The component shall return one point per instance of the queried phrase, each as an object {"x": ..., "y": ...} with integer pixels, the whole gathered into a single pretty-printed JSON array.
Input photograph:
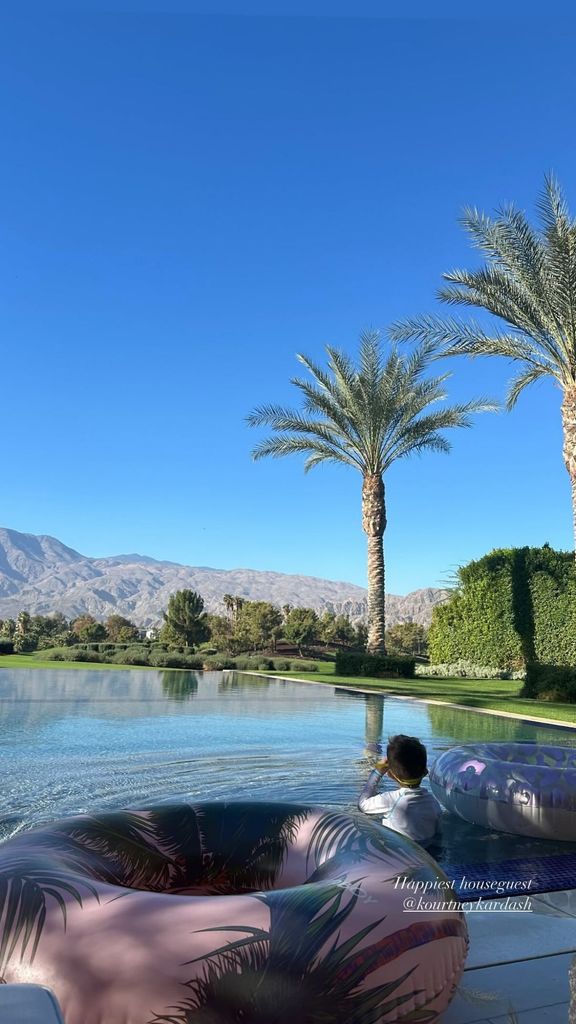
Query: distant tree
[
  {"x": 49, "y": 625},
  {"x": 327, "y": 627},
  {"x": 169, "y": 636},
  {"x": 220, "y": 628},
  {"x": 23, "y": 622},
  {"x": 186, "y": 617},
  {"x": 361, "y": 636},
  {"x": 88, "y": 629},
  {"x": 24, "y": 637},
  {"x": 301, "y": 627},
  {"x": 407, "y": 638},
  {"x": 344, "y": 630},
  {"x": 120, "y": 630},
  {"x": 8, "y": 628},
  {"x": 228, "y": 602},
  {"x": 336, "y": 629},
  {"x": 257, "y": 625}
]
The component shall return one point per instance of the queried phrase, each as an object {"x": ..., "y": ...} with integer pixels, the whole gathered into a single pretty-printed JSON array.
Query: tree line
[
  {"x": 244, "y": 626},
  {"x": 261, "y": 625}
]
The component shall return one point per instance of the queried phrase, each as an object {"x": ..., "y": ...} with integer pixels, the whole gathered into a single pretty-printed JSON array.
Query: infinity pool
[{"x": 75, "y": 740}]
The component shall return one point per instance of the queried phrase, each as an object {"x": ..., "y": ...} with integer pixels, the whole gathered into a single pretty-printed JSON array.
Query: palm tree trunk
[
  {"x": 374, "y": 524},
  {"x": 569, "y": 447}
]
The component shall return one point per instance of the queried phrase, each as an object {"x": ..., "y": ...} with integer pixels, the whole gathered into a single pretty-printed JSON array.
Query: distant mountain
[{"x": 41, "y": 575}]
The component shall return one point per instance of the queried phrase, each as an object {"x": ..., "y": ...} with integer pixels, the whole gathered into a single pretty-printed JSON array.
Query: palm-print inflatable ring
[{"x": 227, "y": 913}]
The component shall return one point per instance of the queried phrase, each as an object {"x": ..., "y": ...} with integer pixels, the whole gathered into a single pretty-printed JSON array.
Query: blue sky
[{"x": 189, "y": 200}]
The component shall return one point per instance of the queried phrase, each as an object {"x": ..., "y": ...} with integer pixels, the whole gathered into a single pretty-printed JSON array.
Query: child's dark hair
[{"x": 406, "y": 757}]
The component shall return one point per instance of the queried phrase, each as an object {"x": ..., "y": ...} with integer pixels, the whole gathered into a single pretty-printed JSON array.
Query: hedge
[
  {"x": 512, "y": 608},
  {"x": 6, "y": 646},
  {"x": 550, "y": 682},
  {"x": 137, "y": 654},
  {"x": 373, "y": 665}
]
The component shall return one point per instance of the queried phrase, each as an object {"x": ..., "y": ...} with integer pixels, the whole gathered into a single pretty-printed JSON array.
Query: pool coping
[{"x": 418, "y": 700}]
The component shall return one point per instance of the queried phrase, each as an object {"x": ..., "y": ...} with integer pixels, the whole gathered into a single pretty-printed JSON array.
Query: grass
[
  {"x": 33, "y": 661},
  {"x": 488, "y": 694}
]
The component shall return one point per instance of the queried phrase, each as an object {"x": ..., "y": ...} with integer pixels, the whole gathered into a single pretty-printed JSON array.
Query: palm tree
[
  {"x": 528, "y": 282},
  {"x": 366, "y": 417}
]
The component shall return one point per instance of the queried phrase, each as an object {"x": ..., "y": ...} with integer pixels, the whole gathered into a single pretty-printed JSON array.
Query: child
[{"x": 411, "y": 810}]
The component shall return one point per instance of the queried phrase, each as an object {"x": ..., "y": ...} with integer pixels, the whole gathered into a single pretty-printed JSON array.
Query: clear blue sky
[{"x": 189, "y": 200}]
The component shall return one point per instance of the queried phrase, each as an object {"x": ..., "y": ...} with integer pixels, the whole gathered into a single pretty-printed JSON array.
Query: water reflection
[
  {"x": 477, "y": 728},
  {"x": 177, "y": 685},
  {"x": 374, "y": 723},
  {"x": 239, "y": 681}
]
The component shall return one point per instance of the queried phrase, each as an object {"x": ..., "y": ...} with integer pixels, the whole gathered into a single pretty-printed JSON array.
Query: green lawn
[
  {"x": 33, "y": 661},
  {"x": 490, "y": 694}
]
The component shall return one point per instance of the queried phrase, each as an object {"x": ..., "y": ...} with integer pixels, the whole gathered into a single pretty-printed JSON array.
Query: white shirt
[{"x": 413, "y": 811}]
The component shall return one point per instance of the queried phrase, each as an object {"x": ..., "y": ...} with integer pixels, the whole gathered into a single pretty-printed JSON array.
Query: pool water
[{"x": 77, "y": 740}]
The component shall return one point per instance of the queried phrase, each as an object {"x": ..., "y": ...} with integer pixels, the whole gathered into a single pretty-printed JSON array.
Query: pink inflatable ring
[{"x": 253, "y": 913}]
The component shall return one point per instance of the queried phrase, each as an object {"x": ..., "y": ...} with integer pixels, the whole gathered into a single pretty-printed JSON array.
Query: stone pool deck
[{"x": 519, "y": 965}]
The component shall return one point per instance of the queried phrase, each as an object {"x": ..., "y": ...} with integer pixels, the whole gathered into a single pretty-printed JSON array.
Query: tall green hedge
[{"x": 513, "y": 607}]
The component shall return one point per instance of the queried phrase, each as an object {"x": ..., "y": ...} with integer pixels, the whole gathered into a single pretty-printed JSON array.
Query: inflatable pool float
[
  {"x": 526, "y": 788},
  {"x": 229, "y": 912}
]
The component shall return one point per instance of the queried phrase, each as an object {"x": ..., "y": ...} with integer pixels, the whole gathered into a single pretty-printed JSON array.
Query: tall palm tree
[
  {"x": 529, "y": 282},
  {"x": 366, "y": 417}
]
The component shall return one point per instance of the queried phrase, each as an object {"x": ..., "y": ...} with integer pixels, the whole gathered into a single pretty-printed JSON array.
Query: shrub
[
  {"x": 218, "y": 662},
  {"x": 135, "y": 656},
  {"x": 373, "y": 665},
  {"x": 6, "y": 646},
  {"x": 245, "y": 664},
  {"x": 550, "y": 683},
  {"x": 73, "y": 654},
  {"x": 466, "y": 670},
  {"x": 55, "y": 653},
  {"x": 116, "y": 659},
  {"x": 304, "y": 666},
  {"x": 171, "y": 659}
]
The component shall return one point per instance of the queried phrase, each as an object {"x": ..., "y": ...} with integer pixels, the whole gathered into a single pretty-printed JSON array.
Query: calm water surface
[{"x": 77, "y": 740}]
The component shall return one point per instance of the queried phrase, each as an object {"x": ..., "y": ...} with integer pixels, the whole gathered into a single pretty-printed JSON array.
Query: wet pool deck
[{"x": 518, "y": 963}]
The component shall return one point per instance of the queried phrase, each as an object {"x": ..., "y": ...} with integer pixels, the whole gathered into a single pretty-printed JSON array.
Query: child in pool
[{"x": 411, "y": 810}]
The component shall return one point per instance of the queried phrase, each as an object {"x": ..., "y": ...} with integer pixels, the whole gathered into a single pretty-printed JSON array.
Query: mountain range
[{"x": 41, "y": 575}]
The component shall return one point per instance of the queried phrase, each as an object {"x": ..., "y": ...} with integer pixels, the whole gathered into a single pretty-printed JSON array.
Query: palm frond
[
  {"x": 528, "y": 282},
  {"x": 23, "y": 891},
  {"x": 299, "y": 969},
  {"x": 278, "y": 447},
  {"x": 521, "y": 381},
  {"x": 364, "y": 416}
]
